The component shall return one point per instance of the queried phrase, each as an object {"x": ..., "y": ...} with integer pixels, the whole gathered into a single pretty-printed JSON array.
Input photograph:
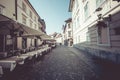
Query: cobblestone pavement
[{"x": 65, "y": 63}]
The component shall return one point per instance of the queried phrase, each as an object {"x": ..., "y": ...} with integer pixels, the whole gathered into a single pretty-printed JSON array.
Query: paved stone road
[{"x": 65, "y": 63}]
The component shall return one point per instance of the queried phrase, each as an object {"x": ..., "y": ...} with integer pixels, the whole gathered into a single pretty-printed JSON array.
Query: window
[
  {"x": 8, "y": 40},
  {"x": 35, "y": 26},
  {"x": 77, "y": 22},
  {"x": 24, "y": 43},
  {"x": 30, "y": 14},
  {"x": 69, "y": 33},
  {"x": 76, "y": 5},
  {"x": 24, "y": 19},
  {"x": 35, "y": 18},
  {"x": 88, "y": 36},
  {"x": 117, "y": 30},
  {"x": 86, "y": 13},
  {"x": 9, "y": 43},
  {"x": 69, "y": 26},
  {"x": 79, "y": 38},
  {"x": 76, "y": 39},
  {"x": 103, "y": 35},
  {"x": 99, "y": 2},
  {"x": 24, "y": 7},
  {"x": 31, "y": 23}
]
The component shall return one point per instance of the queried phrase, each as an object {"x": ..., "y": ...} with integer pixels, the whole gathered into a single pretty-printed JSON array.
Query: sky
[{"x": 54, "y": 12}]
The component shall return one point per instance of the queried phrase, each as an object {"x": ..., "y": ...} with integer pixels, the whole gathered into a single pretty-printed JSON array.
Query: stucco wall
[
  {"x": 28, "y": 18},
  {"x": 9, "y": 8}
]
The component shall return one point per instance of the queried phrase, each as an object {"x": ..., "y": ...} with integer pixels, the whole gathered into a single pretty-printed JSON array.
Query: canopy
[
  {"x": 46, "y": 37},
  {"x": 30, "y": 32},
  {"x": 18, "y": 27}
]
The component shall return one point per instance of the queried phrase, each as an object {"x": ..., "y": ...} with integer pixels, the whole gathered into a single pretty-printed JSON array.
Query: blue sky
[{"x": 54, "y": 12}]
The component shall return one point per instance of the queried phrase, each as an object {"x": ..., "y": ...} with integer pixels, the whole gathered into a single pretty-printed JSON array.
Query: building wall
[
  {"x": 30, "y": 20},
  {"x": 83, "y": 25},
  {"x": 115, "y": 31},
  {"x": 68, "y": 32},
  {"x": 86, "y": 32},
  {"x": 58, "y": 40},
  {"x": 8, "y": 8},
  {"x": 15, "y": 11}
]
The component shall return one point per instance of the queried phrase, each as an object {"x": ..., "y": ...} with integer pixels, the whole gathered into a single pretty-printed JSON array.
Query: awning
[
  {"x": 8, "y": 26},
  {"x": 45, "y": 37},
  {"x": 18, "y": 27},
  {"x": 29, "y": 31},
  {"x": 6, "y": 22},
  {"x": 4, "y": 18}
]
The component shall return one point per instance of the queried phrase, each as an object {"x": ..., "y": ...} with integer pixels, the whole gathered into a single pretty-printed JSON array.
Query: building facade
[
  {"x": 68, "y": 33},
  {"x": 58, "y": 39},
  {"x": 96, "y": 27},
  {"x": 8, "y": 10},
  {"x": 20, "y": 26}
]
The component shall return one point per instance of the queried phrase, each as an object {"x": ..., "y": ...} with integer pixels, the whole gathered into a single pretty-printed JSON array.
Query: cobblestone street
[{"x": 65, "y": 63}]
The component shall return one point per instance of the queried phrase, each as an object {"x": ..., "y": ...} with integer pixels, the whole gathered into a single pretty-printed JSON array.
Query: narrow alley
[
  {"x": 65, "y": 63},
  {"x": 59, "y": 39}
]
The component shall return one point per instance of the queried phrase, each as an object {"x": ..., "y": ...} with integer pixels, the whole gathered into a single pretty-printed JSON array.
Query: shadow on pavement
[{"x": 109, "y": 70}]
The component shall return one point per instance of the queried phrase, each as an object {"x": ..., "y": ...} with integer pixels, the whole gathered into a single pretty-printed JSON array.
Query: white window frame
[
  {"x": 77, "y": 21},
  {"x": 31, "y": 23},
  {"x": 24, "y": 7},
  {"x": 69, "y": 26},
  {"x": 86, "y": 11},
  {"x": 24, "y": 19},
  {"x": 88, "y": 37},
  {"x": 101, "y": 2},
  {"x": 30, "y": 14},
  {"x": 108, "y": 34},
  {"x": 69, "y": 33}
]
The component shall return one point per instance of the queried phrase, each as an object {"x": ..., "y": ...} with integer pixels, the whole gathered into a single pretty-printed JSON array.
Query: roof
[
  {"x": 71, "y": 5},
  {"x": 68, "y": 20}
]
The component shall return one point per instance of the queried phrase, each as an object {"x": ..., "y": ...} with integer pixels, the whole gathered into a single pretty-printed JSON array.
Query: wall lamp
[
  {"x": 102, "y": 21},
  {"x": 100, "y": 16}
]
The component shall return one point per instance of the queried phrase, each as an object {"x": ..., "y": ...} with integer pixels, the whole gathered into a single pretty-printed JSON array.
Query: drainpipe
[
  {"x": 4, "y": 43},
  {"x": 16, "y": 9},
  {"x": 13, "y": 41}
]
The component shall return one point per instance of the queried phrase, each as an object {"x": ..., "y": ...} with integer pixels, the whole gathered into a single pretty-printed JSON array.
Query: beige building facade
[
  {"x": 96, "y": 27},
  {"x": 7, "y": 9},
  {"x": 68, "y": 33},
  {"x": 27, "y": 14},
  {"x": 20, "y": 26}
]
